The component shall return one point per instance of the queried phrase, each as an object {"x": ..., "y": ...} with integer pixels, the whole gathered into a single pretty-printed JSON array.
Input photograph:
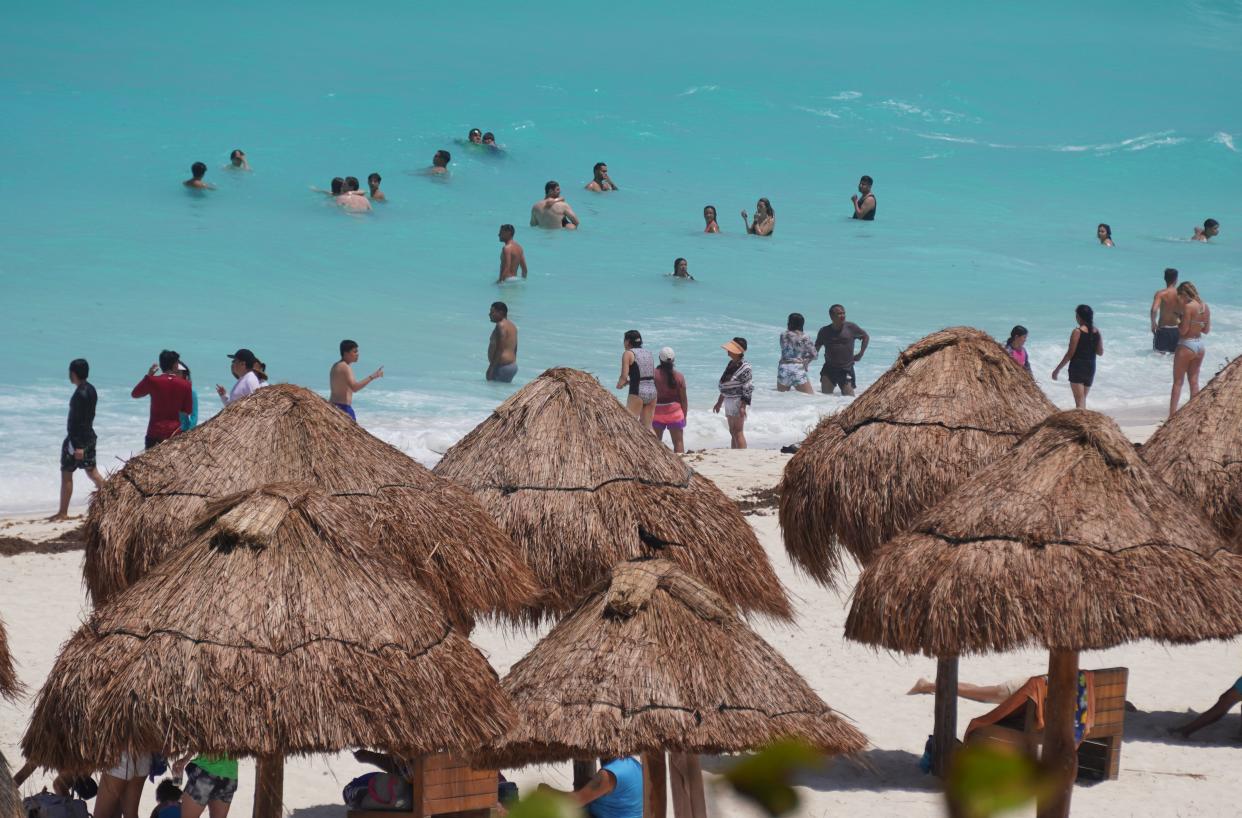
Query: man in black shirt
[
  {"x": 837, "y": 340},
  {"x": 78, "y": 450}
]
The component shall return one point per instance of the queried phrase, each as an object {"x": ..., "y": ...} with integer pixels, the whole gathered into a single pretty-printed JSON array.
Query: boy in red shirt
[{"x": 170, "y": 396}]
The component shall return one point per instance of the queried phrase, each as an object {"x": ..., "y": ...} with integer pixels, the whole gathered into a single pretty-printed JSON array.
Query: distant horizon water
[{"x": 998, "y": 139}]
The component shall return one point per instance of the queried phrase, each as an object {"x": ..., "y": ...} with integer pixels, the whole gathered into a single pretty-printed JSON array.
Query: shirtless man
[
  {"x": 864, "y": 201},
  {"x": 341, "y": 379},
  {"x": 373, "y": 182},
  {"x": 1210, "y": 228},
  {"x": 237, "y": 160},
  {"x": 552, "y": 212},
  {"x": 601, "y": 183},
  {"x": 440, "y": 163},
  {"x": 198, "y": 171},
  {"x": 349, "y": 199},
  {"x": 512, "y": 257},
  {"x": 1166, "y": 314},
  {"x": 502, "y": 348}
]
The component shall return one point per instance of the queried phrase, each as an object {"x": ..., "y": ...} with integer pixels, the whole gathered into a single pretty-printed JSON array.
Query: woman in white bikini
[{"x": 1196, "y": 322}]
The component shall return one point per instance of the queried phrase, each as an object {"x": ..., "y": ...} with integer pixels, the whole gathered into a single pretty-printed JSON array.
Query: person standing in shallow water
[
  {"x": 864, "y": 201},
  {"x": 736, "y": 389},
  {"x": 1196, "y": 322},
  {"x": 1166, "y": 312},
  {"x": 197, "y": 171},
  {"x": 638, "y": 373},
  {"x": 672, "y": 405},
  {"x": 837, "y": 340},
  {"x": 601, "y": 183},
  {"x": 709, "y": 216},
  {"x": 341, "y": 379},
  {"x": 78, "y": 450},
  {"x": 765, "y": 219},
  {"x": 1086, "y": 343},
  {"x": 797, "y": 352},
  {"x": 238, "y": 160},
  {"x": 502, "y": 347},
  {"x": 512, "y": 256},
  {"x": 681, "y": 269}
]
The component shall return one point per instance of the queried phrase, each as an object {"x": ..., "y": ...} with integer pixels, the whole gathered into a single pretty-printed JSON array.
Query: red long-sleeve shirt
[{"x": 170, "y": 395}]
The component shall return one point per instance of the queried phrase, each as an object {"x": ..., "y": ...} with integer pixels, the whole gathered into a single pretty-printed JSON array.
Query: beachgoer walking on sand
[
  {"x": 837, "y": 340},
  {"x": 341, "y": 379},
  {"x": 247, "y": 381},
  {"x": 602, "y": 183},
  {"x": 864, "y": 201},
  {"x": 672, "y": 405},
  {"x": 78, "y": 450},
  {"x": 1105, "y": 234},
  {"x": 736, "y": 389},
  {"x": 170, "y": 396},
  {"x": 552, "y": 212},
  {"x": 238, "y": 160},
  {"x": 188, "y": 421},
  {"x": 797, "y": 352},
  {"x": 681, "y": 269},
  {"x": 1196, "y": 322},
  {"x": 1166, "y": 314},
  {"x": 1223, "y": 705},
  {"x": 1016, "y": 347},
  {"x": 512, "y": 256},
  {"x": 1210, "y": 228},
  {"x": 210, "y": 783},
  {"x": 502, "y": 347},
  {"x": 709, "y": 216},
  {"x": 1086, "y": 343},
  {"x": 616, "y": 791},
  {"x": 765, "y": 219},
  {"x": 197, "y": 171},
  {"x": 638, "y": 373},
  {"x": 373, "y": 183}
]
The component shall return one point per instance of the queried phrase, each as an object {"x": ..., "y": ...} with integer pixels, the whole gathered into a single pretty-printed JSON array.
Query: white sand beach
[{"x": 42, "y": 601}]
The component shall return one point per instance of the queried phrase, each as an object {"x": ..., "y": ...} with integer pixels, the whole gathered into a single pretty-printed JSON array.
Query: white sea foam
[
  {"x": 828, "y": 112},
  {"x": 846, "y": 95},
  {"x": 697, "y": 88},
  {"x": 1226, "y": 139}
]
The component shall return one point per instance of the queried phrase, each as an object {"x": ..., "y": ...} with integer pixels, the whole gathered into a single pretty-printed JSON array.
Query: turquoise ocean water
[{"x": 998, "y": 136}]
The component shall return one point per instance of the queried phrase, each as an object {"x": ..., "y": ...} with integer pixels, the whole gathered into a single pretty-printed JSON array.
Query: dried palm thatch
[
  {"x": 1199, "y": 451},
  {"x": 580, "y": 486},
  {"x": 287, "y": 433},
  {"x": 953, "y": 402},
  {"x": 10, "y": 798},
  {"x": 9, "y": 685},
  {"x": 267, "y": 633},
  {"x": 1068, "y": 541},
  {"x": 653, "y": 660}
]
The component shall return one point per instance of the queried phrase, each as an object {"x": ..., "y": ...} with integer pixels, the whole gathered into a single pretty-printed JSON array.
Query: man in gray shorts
[
  {"x": 502, "y": 348},
  {"x": 1166, "y": 314}
]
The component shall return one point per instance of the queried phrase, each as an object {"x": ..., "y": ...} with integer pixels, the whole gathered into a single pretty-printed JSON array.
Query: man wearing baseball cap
[{"x": 243, "y": 370}]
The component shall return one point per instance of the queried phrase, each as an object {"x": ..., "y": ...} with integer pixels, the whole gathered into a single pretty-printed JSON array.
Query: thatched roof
[
  {"x": 1069, "y": 541},
  {"x": 10, "y": 798},
  {"x": 952, "y": 403},
  {"x": 267, "y": 632},
  {"x": 1199, "y": 451},
  {"x": 581, "y": 486},
  {"x": 654, "y": 660},
  {"x": 9, "y": 685},
  {"x": 287, "y": 433}
]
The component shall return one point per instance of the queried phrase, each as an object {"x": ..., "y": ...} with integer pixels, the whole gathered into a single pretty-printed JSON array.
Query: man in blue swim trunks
[
  {"x": 616, "y": 791},
  {"x": 1227, "y": 701},
  {"x": 342, "y": 381}
]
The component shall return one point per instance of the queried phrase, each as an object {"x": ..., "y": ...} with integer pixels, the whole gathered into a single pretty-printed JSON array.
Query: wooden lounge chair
[
  {"x": 444, "y": 785},
  {"x": 1019, "y": 721}
]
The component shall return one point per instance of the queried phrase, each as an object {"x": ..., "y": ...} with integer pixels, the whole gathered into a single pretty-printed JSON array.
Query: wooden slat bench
[{"x": 444, "y": 785}]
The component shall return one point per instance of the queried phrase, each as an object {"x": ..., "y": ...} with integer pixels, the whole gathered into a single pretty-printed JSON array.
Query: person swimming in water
[
  {"x": 765, "y": 219},
  {"x": 373, "y": 182},
  {"x": 475, "y": 137},
  {"x": 348, "y": 199},
  {"x": 512, "y": 257},
  {"x": 1105, "y": 234},
  {"x": 439, "y": 163},
  {"x": 489, "y": 141},
  {"x": 681, "y": 269},
  {"x": 709, "y": 217},
  {"x": 1210, "y": 228},
  {"x": 197, "y": 171},
  {"x": 1196, "y": 322},
  {"x": 601, "y": 183},
  {"x": 552, "y": 212},
  {"x": 864, "y": 201},
  {"x": 237, "y": 160}
]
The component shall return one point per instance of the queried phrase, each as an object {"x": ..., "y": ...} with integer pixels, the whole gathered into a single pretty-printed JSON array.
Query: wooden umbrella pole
[
  {"x": 685, "y": 782},
  {"x": 655, "y": 784},
  {"x": 269, "y": 786},
  {"x": 944, "y": 732},
  {"x": 1060, "y": 756}
]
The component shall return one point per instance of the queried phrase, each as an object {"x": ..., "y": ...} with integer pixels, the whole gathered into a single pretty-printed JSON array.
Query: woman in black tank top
[{"x": 1085, "y": 345}]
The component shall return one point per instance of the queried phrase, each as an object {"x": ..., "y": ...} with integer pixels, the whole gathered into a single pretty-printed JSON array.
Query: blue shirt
[
  {"x": 626, "y": 798},
  {"x": 189, "y": 421}
]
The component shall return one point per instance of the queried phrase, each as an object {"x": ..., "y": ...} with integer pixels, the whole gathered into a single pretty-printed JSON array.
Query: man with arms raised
[
  {"x": 512, "y": 257},
  {"x": 1166, "y": 314},
  {"x": 552, "y": 212},
  {"x": 170, "y": 395},
  {"x": 837, "y": 340},
  {"x": 601, "y": 183},
  {"x": 502, "y": 348},
  {"x": 341, "y": 379}
]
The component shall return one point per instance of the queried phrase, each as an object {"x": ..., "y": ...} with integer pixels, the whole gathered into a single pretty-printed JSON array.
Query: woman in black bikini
[{"x": 1085, "y": 345}]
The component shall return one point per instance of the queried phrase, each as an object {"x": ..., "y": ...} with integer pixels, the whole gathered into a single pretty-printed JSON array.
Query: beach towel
[{"x": 1036, "y": 691}]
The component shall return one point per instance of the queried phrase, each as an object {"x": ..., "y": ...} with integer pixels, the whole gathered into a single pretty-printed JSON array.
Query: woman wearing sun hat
[{"x": 736, "y": 389}]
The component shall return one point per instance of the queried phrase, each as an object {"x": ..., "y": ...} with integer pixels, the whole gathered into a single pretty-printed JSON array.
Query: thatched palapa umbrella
[
  {"x": 1069, "y": 542},
  {"x": 9, "y": 685},
  {"x": 10, "y": 798},
  {"x": 581, "y": 486},
  {"x": 287, "y": 433},
  {"x": 1198, "y": 451},
  {"x": 268, "y": 633},
  {"x": 952, "y": 403},
  {"x": 654, "y": 661}
]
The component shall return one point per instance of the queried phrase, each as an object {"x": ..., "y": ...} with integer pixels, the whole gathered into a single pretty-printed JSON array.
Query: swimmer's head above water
[
  {"x": 475, "y": 136},
  {"x": 506, "y": 232},
  {"x": 552, "y": 189},
  {"x": 337, "y": 186},
  {"x": 681, "y": 268},
  {"x": 238, "y": 157},
  {"x": 351, "y": 183},
  {"x": 864, "y": 185},
  {"x": 489, "y": 138},
  {"x": 441, "y": 159},
  {"x": 1104, "y": 233},
  {"x": 198, "y": 170}
]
